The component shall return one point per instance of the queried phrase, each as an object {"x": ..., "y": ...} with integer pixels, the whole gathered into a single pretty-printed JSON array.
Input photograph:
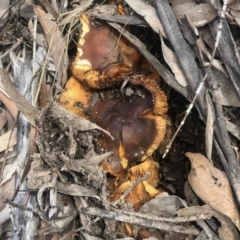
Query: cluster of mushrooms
[{"x": 113, "y": 86}]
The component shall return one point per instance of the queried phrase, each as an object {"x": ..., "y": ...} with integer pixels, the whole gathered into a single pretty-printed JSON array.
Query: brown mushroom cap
[
  {"x": 122, "y": 117},
  {"x": 137, "y": 123},
  {"x": 104, "y": 56}
]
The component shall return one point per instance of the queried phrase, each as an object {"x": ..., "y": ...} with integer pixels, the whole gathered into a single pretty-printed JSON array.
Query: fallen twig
[
  {"x": 141, "y": 221},
  {"x": 195, "y": 217}
]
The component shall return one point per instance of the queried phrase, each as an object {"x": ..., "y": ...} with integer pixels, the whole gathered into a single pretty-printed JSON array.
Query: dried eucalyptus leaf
[
  {"x": 8, "y": 140},
  {"x": 162, "y": 205},
  {"x": 233, "y": 129},
  {"x": 200, "y": 14},
  {"x": 4, "y": 11},
  {"x": 212, "y": 186},
  {"x": 236, "y": 16},
  {"x": 75, "y": 190},
  {"x": 172, "y": 60},
  {"x": 228, "y": 94},
  {"x": 149, "y": 14},
  {"x": 235, "y": 6}
]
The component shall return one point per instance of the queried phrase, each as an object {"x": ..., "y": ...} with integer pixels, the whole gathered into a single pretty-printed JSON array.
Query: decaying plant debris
[{"x": 91, "y": 93}]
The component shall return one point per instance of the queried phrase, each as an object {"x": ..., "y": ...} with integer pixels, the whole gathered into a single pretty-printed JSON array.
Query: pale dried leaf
[
  {"x": 62, "y": 221},
  {"x": 172, "y": 60},
  {"x": 233, "y": 129},
  {"x": 4, "y": 6},
  {"x": 200, "y": 14},
  {"x": 8, "y": 172},
  {"x": 229, "y": 2},
  {"x": 227, "y": 92},
  {"x": 236, "y": 15},
  {"x": 56, "y": 43},
  {"x": 9, "y": 104},
  {"x": 209, "y": 129},
  {"x": 235, "y": 6},
  {"x": 4, "y": 215},
  {"x": 149, "y": 13},
  {"x": 7, "y": 190},
  {"x": 8, "y": 140},
  {"x": 191, "y": 25},
  {"x": 212, "y": 186},
  {"x": 75, "y": 190},
  {"x": 162, "y": 205},
  {"x": 6, "y": 85}
]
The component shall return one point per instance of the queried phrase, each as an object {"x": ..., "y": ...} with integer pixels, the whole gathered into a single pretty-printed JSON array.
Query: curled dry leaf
[
  {"x": 200, "y": 14},
  {"x": 212, "y": 186}
]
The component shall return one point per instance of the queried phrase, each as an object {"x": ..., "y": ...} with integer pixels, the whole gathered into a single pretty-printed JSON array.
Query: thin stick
[
  {"x": 117, "y": 216},
  {"x": 34, "y": 84}
]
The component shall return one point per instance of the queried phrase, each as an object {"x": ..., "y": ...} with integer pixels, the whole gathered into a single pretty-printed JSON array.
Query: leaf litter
[{"x": 50, "y": 176}]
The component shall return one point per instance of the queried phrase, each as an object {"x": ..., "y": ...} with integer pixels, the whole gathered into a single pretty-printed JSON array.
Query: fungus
[
  {"x": 136, "y": 119},
  {"x": 137, "y": 123},
  {"x": 103, "y": 57}
]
